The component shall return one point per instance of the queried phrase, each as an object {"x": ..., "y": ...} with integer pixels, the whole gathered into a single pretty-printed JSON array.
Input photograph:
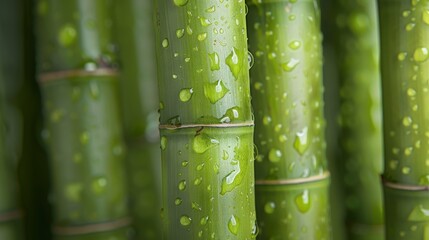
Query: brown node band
[
  {"x": 91, "y": 228},
  {"x": 405, "y": 187},
  {"x": 215, "y": 125},
  {"x": 10, "y": 216},
  {"x": 324, "y": 176},
  {"x": 60, "y": 75}
]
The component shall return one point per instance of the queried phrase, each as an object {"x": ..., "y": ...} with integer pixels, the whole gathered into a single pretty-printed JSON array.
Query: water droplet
[
  {"x": 211, "y": 9},
  {"x": 84, "y": 138},
  {"x": 189, "y": 30},
  {"x": 269, "y": 207},
  {"x": 165, "y": 43},
  {"x": 282, "y": 138},
  {"x": 421, "y": 54},
  {"x": 185, "y": 163},
  {"x": 178, "y": 201},
  {"x": 205, "y": 22},
  {"x": 230, "y": 115},
  {"x": 301, "y": 141},
  {"x": 419, "y": 214},
  {"x": 163, "y": 143},
  {"x": 411, "y": 92},
  {"x": 225, "y": 155},
  {"x": 185, "y": 220},
  {"x": 99, "y": 185},
  {"x": 204, "y": 220},
  {"x": 303, "y": 202},
  {"x": 234, "y": 62},
  {"x": 182, "y": 185},
  {"x": 215, "y": 91},
  {"x": 294, "y": 45},
  {"x": 180, "y": 3},
  {"x": 196, "y": 206},
  {"x": 425, "y": 16},
  {"x": 402, "y": 56},
  {"x": 406, "y": 13},
  {"x": 56, "y": 116},
  {"x": 233, "y": 225},
  {"x": 214, "y": 61},
  {"x": 424, "y": 180},
  {"x": 198, "y": 181},
  {"x": 266, "y": 120},
  {"x": 406, "y": 170},
  {"x": 201, "y": 37},
  {"x": 203, "y": 142},
  {"x": 67, "y": 35},
  {"x": 186, "y": 94},
  {"x": 410, "y": 26},
  {"x": 250, "y": 59},
  {"x": 406, "y": 121},
  {"x": 235, "y": 177},
  {"x": 274, "y": 155},
  {"x": 289, "y": 66},
  {"x": 180, "y": 33}
]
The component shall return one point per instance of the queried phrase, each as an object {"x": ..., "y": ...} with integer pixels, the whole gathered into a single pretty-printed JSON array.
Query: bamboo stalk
[
  {"x": 404, "y": 28},
  {"x": 206, "y": 123},
  {"x": 76, "y": 61},
  {"x": 135, "y": 35},
  {"x": 291, "y": 174},
  {"x": 360, "y": 139}
]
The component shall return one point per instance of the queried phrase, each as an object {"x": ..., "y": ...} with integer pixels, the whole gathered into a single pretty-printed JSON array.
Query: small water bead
[
  {"x": 292, "y": 17},
  {"x": 215, "y": 91},
  {"x": 402, "y": 56},
  {"x": 201, "y": 37},
  {"x": 301, "y": 141},
  {"x": 225, "y": 155},
  {"x": 214, "y": 61},
  {"x": 411, "y": 92},
  {"x": 189, "y": 30},
  {"x": 178, "y": 201},
  {"x": 233, "y": 225},
  {"x": 198, "y": 181},
  {"x": 258, "y": 85},
  {"x": 186, "y": 94},
  {"x": 408, "y": 151},
  {"x": 182, "y": 185},
  {"x": 406, "y": 13},
  {"x": 406, "y": 121},
  {"x": 410, "y": 26},
  {"x": 73, "y": 192},
  {"x": 204, "y": 220},
  {"x": 393, "y": 164},
  {"x": 56, "y": 116},
  {"x": 303, "y": 201},
  {"x": 203, "y": 142},
  {"x": 180, "y": 3},
  {"x": 424, "y": 180},
  {"x": 274, "y": 155},
  {"x": 421, "y": 54},
  {"x": 205, "y": 22},
  {"x": 180, "y": 33},
  {"x": 266, "y": 120},
  {"x": 163, "y": 143},
  {"x": 211, "y": 9},
  {"x": 185, "y": 163},
  {"x": 230, "y": 115},
  {"x": 200, "y": 167},
  {"x": 278, "y": 127},
  {"x": 185, "y": 220},
  {"x": 234, "y": 62},
  {"x": 283, "y": 138},
  {"x": 294, "y": 45},
  {"x": 250, "y": 60},
  {"x": 406, "y": 170},
  {"x": 165, "y": 43},
  {"x": 269, "y": 207},
  {"x": 290, "y": 65},
  {"x": 99, "y": 185},
  {"x": 196, "y": 206},
  {"x": 67, "y": 35}
]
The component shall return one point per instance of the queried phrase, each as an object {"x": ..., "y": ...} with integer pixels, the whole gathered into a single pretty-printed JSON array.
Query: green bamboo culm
[
  {"x": 10, "y": 227},
  {"x": 357, "y": 46},
  {"x": 404, "y": 29},
  {"x": 206, "y": 122},
  {"x": 83, "y": 134},
  {"x": 291, "y": 169},
  {"x": 135, "y": 35}
]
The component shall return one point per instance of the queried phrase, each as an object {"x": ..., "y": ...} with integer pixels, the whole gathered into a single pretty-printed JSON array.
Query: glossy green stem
[
  {"x": 404, "y": 28},
  {"x": 285, "y": 38},
  {"x": 83, "y": 132},
  {"x": 135, "y": 34},
  {"x": 208, "y": 187},
  {"x": 360, "y": 116}
]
